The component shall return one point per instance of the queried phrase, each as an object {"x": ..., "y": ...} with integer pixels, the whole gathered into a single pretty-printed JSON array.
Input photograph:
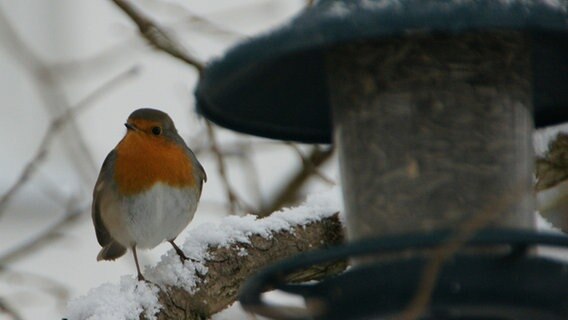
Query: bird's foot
[{"x": 180, "y": 253}]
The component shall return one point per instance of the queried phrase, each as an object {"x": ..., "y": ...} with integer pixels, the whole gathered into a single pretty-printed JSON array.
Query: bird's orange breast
[{"x": 143, "y": 161}]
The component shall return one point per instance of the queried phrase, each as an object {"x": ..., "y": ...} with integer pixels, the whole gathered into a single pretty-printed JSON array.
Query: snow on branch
[{"x": 224, "y": 255}]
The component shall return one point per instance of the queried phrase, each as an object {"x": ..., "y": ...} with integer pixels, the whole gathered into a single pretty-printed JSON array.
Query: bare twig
[
  {"x": 462, "y": 233},
  {"x": 157, "y": 36},
  {"x": 234, "y": 201},
  {"x": 552, "y": 168},
  {"x": 551, "y": 182},
  {"x": 289, "y": 192},
  {"x": 55, "y": 126},
  {"x": 42, "y": 239},
  {"x": 233, "y": 148},
  {"x": 310, "y": 165},
  {"x": 252, "y": 177},
  {"x": 92, "y": 66},
  {"x": 206, "y": 143},
  {"x": 48, "y": 87},
  {"x": 89, "y": 66},
  {"x": 19, "y": 50},
  {"x": 194, "y": 20},
  {"x": 45, "y": 284},
  {"x": 5, "y": 308}
]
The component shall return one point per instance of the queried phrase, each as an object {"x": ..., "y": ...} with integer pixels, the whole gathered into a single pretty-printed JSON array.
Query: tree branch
[
  {"x": 552, "y": 182},
  {"x": 552, "y": 168},
  {"x": 310, "y": 165},
  {"x": 47, "y": 85},
  {"x": 54, "y": 288},
  {"x": 234, "y": 201},
  {"x": 223, "y": 257},
  {"x": 157, "y": 36},
  {"x": 5, "y": 308},
  {"x": 194, "y": 20},
  {"x": 228, "y": 268},
  {"x": 289, "y": 192},
  {"x": 42, "y": 239},
  {"x": 55, "y": 126}
]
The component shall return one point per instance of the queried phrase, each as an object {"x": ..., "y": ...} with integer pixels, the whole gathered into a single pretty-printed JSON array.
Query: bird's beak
[{"x": 129, "y": 126}]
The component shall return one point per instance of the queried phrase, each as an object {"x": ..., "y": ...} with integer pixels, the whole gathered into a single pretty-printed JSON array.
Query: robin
[{"x": 148, "y": 188}]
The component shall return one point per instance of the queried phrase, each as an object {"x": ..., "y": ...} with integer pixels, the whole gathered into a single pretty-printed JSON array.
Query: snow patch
[
  {"x": 343, "y": 8},
  {"x": 243, "y": 252},
  {"x": 123, "y": 301},
  {"x": 543, "y": 137},
  {"x": 338, "y": 9}
]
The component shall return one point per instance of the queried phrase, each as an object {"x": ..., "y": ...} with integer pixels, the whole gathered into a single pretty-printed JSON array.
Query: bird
[{"x": 148, "y": 188}]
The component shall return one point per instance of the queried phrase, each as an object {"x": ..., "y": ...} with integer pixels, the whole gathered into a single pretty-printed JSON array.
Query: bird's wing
[
  {"x": 200, "y": 170},
  {"x": 201, "y": 173},
  {"x": 101, "y": 189}
]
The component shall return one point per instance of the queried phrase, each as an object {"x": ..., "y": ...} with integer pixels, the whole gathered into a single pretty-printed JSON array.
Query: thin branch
[
  {"x": 289, "y": 192},
  {"x": 193, "y": 19},
  {"x": 5, "y": 308},
  {"x": 42, "y": 239},
  {"x": 55, "y": 126},
  {"x": 45, "y": 284},
  {"x": 310, "y": 165},
  {"x": 233, "y": 149},
  {"x": 247, "y": 164},
  {"x": 48, "y": 87},
  {"x": 552, "y": 168},
  {"x": 234, "y": 201},
  {"x": 92, "y": 66},
  {"x": 551, "y": 182},
  {"x": 14, "y": 44},
  {"x": 157, "y": 36}
]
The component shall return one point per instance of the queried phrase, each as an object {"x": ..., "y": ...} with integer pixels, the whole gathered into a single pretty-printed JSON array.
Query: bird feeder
[{"x": 431, "y": 105}]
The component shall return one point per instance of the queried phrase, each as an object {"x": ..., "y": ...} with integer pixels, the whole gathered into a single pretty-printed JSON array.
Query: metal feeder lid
[{"x": 275, "y": 86}]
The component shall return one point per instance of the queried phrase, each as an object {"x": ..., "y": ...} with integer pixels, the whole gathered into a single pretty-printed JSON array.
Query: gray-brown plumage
[{"x": 148, "y": 188}]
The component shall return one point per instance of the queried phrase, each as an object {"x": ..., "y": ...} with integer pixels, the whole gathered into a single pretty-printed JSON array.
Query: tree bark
[
  {"x": 228, "y": 268},
  {"x": 552, "y": 168},
  {"x": 552, "y": 183}
]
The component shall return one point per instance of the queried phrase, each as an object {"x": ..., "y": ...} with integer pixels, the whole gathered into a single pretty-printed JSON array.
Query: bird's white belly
[{"x": 158, "y": 214}]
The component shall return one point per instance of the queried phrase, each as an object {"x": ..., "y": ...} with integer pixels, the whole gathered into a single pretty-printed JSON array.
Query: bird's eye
[{"x": 156, "y": 131}]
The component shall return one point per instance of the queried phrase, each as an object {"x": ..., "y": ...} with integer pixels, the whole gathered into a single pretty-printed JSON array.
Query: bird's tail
[{"x": 111, "y": 251}]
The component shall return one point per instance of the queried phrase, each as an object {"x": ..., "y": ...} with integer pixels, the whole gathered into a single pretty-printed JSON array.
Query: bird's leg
[
  {"x": 140, "y": 276},
  {"x": 180, "y": 253}
]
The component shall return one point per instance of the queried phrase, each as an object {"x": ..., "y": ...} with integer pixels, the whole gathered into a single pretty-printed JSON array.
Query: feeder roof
[{"x": 274, "y": 85}]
